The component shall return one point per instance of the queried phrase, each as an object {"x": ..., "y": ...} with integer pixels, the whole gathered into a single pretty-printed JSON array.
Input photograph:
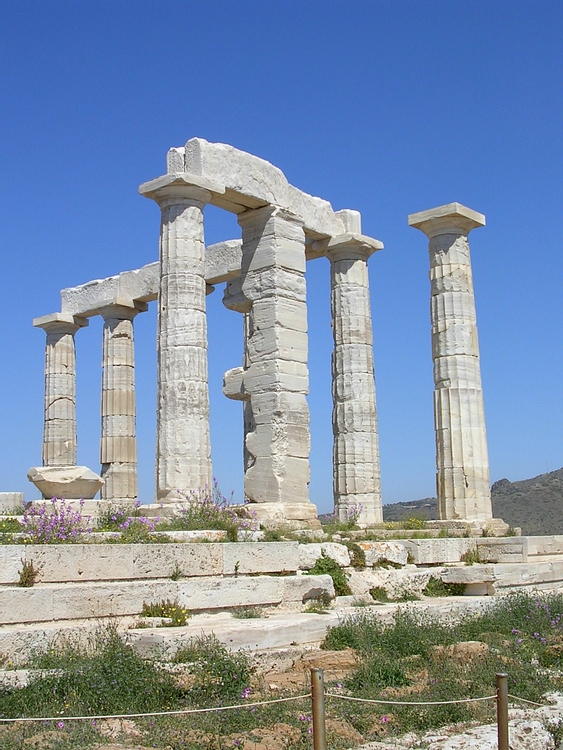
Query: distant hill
[{"x": 536, "y": 505}]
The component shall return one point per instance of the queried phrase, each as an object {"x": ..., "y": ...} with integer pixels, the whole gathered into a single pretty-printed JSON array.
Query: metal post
[
  {"x": 318, "y": 698},
  {"x": 502, "y": 711}
]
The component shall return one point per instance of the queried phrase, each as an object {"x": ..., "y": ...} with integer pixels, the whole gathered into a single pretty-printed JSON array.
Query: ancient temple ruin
[
  {"x": 264, "y": 272},
  {"x": 282, "y": 228}
]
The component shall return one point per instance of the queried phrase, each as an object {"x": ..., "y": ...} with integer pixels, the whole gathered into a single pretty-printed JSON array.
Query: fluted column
[
  {"x": 59, "y": 427},
  {"x": 357, "y": 486},
  {"x": 118, "y": 444},
  {"x": 183, "y": 460},
  {"x": 462, "y": 461}
]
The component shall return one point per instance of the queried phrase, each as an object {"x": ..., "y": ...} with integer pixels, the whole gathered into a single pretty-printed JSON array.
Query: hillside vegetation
[{"x": 536, "y": 504}]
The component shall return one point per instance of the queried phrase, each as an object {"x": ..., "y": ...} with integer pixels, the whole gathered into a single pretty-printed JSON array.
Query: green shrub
[
  {"x": 437, "y": 587},
  {"x": 28, "y": 574},
  {"x": 357, "y": 555},
  {"x": 219, "y": 675},
  {"x": 110, "y": 678},
  {"x": 327, "y": 566},
  {"x": 246, "y": 613}
]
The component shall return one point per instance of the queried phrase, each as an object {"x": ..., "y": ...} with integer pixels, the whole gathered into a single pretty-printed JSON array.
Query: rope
[
  {"x": 157, "y": 713},
  {"x": 410, "y": 703},
  {"x": 532, "y": 703}
]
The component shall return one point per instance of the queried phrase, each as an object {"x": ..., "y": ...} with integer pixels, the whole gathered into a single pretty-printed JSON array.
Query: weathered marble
[
  {"x": 183, "y": 444},
  {"x": 462, "y": 477},
  {"x": 59, "y": 427},
  {"x": 118, "y": 444},
  {"x": 357, "y": 486},
  {"x": 68, "y": 482}
]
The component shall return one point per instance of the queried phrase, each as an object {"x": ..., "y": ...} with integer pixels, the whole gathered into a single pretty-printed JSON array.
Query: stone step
[
  {"x": 70, "y": 601},
  {"x": 272, "y": 631}
]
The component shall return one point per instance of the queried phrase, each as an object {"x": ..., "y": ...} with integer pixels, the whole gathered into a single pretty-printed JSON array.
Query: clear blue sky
[{"x": 389, "y": 107}]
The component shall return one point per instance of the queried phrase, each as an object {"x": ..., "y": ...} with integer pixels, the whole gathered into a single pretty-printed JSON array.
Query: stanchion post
[
  {"x": 318, "y": 698},
  {"x": 502, "y": 710}
]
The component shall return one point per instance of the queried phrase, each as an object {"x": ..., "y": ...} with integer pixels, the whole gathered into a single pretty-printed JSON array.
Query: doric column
[
  {"x": 183, "y": 460},
  {"x": 59, "y": 428},
  {"x": 461, "y": 443},
  {"x": 357, "y": 486},
  {"x": 275, "y": 378},
  {"x": 118, "y": 444}
]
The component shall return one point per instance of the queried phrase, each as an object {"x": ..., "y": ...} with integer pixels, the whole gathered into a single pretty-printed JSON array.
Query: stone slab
[
  {"x": 310, "y": 553},
  {"x": 437, "y": 551},
  {"x": 11, "y": 501},
  {"x": 260, "y": 557},
  {"x": 508, "y": 549}
]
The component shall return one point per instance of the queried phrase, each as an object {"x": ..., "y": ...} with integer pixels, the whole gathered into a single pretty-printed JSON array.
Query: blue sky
[{"x": 389, "y": 107}]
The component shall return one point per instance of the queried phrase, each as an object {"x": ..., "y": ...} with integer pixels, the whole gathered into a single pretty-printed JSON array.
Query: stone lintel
[
  {"x": 154, "y": 188},
  {"x": 58, "y": 321},
  {"x": 450, "y": 218},
  {"x": 348, "y": 245}
]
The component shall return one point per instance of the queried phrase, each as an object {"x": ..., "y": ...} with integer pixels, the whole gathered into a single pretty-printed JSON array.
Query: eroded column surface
[
  {"x": 183, "y": 444},
  {"x": 59, "y": 428},
  {"x": 274, "y": 380},
  {"x": 118, "y": 444},
  {"x": 462, "y": 461},
  {"x": 357, "y": 486}
]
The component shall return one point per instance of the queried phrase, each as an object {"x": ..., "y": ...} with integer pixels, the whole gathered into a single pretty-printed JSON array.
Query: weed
[
  {"x": 176, "y": 572},
  {"x": 273, "y": 535},
  {"x": 9, "y": 525},
  {"x": 218, "y": 675},
  {"x": 357, "y": 555},
  {"x": 319, "y": 605},
  {"x": 210, "y": 509},
  {"x": 379, "y": 594},
  {"x": 167, "y": 609},
  {"x": 28, "y": 574},
  {"x": 437, "y": 587},
  {"x": 326, "y": 565},
  {"x": 472, "y": 556},
  {"x": 246, "y": 613}
]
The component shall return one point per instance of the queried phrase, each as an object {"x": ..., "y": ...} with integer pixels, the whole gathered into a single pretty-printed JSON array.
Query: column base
[{"x": 285, "y": 516}]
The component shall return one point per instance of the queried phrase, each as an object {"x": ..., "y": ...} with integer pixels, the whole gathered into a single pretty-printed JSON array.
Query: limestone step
[
  {"x": 70, "y": 601},
  {"x": 274, "y": 630}
]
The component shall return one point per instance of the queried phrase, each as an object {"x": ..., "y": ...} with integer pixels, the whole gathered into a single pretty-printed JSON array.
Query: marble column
[
  {"x": 183, "y": 443},
  {"x": 59, "y": 427},
  {"x": 462, "y": 462},
  {"x": 275, "y": 379},
  {"x": 357, "y": 486},
  {"x": 118, "y": 444}
]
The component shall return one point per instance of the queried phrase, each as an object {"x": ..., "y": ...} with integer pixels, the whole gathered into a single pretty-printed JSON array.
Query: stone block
[
  {"x": 93, "y": 600},
  {"x": 11, "y": 556},
  {"x": 392, "y": 552},
  {"x": 260, "y": 557},
  {"x": 11, "y": 501},
  {"x": 218, "y": 593},
  {"x": 310, "y": 553},
  {"x": 253, "y": 182},
  {"x": 105, "y": 562},
  {"x": 303, "y": 588},
  {"x": 69, "y": 482},
  {"x": 437, "y": 551},
  {"x": 545, "y": 545},
  {"x": 19, "y": 605},
  {"x": 503, "y": 550}
]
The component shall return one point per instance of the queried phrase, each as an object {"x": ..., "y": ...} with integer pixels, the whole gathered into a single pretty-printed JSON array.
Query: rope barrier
[
  {"x": 532, "y": 703},
  {"x": 179, "y": 712},
  {"x": 410, "y": 703}
]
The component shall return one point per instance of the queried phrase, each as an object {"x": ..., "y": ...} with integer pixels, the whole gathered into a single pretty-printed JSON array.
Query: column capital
[
  {"x": 452, "y": 218},
  {"x": 180, "y": 186},
  {"x": 264, "y": 213},
  {"x": 347, "y": 246},
  {"x": 121, "y": 308},
  {"x": 60, "y": 323}
]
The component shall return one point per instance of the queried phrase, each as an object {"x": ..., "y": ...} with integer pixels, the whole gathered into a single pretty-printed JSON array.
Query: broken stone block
[{"x": 69, "y": 482}]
